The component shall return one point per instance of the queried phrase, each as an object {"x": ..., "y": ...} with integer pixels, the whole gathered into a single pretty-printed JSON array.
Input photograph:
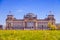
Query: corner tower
[
  {"x": 9, "y": 20},
  {"x": 51, "y": 17}
]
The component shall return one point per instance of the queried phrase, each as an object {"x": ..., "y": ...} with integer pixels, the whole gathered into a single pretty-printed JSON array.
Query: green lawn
[{"x": 29, "y": 34}]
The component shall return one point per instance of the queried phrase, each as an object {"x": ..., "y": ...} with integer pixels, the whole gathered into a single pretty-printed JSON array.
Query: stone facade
[{"x": 29, "y": 22}]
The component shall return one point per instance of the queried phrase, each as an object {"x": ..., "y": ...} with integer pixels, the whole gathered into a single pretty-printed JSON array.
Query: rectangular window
[{"x": 30, "y": 24}]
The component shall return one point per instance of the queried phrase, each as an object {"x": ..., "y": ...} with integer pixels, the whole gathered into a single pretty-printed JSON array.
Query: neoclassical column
[{"x": 36, "y": 25}]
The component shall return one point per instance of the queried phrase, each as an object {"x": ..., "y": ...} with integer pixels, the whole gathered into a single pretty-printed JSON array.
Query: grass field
[{"x": 29, "y": 35}]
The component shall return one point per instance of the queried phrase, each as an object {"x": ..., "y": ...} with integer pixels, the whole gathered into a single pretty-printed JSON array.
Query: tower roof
[
  {"x": 10, "y": 13},
  {"x": 50, "y": 13}
]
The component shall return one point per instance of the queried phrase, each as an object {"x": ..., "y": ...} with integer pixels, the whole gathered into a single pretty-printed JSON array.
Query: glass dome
[{"x": 30, "y": 15}]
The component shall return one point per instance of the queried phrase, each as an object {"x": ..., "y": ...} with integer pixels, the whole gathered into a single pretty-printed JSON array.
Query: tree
[{"x": 51, "y": 26}]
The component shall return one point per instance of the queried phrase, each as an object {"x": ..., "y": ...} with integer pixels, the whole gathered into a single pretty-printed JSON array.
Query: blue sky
[{"x": 21, "y": 7}]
